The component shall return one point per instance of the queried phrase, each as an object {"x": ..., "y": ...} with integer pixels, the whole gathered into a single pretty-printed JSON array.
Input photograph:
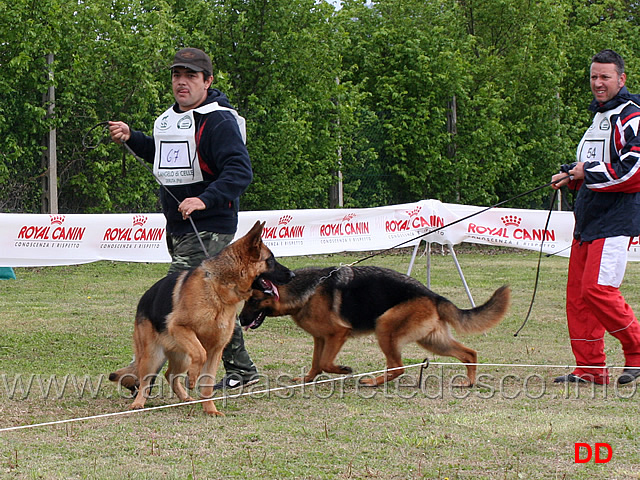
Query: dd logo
[{"x": 589, "y": 453}]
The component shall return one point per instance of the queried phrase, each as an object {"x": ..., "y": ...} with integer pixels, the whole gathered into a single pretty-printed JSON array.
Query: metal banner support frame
[{"x": 455, "y": 261}]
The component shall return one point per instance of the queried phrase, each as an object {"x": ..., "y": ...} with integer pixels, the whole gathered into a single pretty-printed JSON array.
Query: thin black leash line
[
  {"x": 535, "y": 286},
  {"x": 528, "y": 192},
  {"x": 144, "y": 164},
  {"x": 573, "y": 242},
  {"x": 380, "y": 252}
]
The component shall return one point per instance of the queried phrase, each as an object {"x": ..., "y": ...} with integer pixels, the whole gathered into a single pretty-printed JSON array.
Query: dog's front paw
[
  {"x": 462, "y": 384},
  {"x": 136, "y": 406},
  {"x": 210, "y": 409}
]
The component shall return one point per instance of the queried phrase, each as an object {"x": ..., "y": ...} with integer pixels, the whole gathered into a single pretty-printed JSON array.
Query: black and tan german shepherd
[
  {"x": 333, "y": 304},
  {"x": 188, "y": 318}
]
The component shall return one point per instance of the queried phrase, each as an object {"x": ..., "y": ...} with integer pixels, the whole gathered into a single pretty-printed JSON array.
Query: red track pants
[{"x": 595, "y": 305}]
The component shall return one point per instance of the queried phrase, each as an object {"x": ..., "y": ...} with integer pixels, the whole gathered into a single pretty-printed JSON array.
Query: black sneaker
[
  {"x": 628, "y": 375},
  {"x": 231, "y": 381},
  {"x": 570, "y": 378}
]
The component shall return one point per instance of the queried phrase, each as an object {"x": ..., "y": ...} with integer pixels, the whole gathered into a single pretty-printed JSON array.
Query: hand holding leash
[
  {"x": 119, "y": 131},
  {"x": 190, "y": 205},
  {"x": 561, "y": 179}
]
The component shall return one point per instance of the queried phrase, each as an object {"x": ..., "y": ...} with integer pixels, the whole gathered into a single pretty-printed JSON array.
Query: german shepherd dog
[
  {"x": 188, "y": 318},
  {"x": 333, "y": 304}
]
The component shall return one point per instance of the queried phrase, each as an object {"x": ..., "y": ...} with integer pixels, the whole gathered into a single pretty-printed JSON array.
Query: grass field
[{"x": 63, "y": 329}]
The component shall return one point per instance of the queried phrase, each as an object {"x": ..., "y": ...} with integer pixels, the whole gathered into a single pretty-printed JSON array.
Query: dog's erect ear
[
  {"x": 254, "y": 236},
  {"x": 256, "y": 231}
]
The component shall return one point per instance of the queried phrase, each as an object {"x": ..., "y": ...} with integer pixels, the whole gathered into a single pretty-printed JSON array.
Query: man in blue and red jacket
[
  {"x": 607, "y": 216},
  {"x": 199, "y": 155}
]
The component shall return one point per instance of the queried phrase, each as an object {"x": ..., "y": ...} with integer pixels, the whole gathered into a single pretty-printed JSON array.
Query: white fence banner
[{"x": 64, "y": 239}]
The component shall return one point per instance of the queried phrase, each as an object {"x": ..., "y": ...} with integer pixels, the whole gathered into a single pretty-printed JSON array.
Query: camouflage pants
[{"x": 186, "y": 252}]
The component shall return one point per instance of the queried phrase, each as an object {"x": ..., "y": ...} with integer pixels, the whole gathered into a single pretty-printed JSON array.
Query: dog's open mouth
[
  {"x": 268, "y": 287},
  {"x": 256, "y": 321}
]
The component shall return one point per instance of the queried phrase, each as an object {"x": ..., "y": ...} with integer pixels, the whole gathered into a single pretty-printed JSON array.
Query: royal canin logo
[
  {"x": 285, "y": 219},
  {"x": 136, "y": 233},
  {"x": 55, "y": 231},
  {"x": 506, "y": 232},
  {"x": 56, "y": 219},
  {"x": 284, "y": 230},
  {"x": 511, "y": 220},
  {"x": 139, "y": 220},
  {"x": 414, "y": 212},
  {"x": 347, "y": 227},
  {"x": 414, "y": 222}
]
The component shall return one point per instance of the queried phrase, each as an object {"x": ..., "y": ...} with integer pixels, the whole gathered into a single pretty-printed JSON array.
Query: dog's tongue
[
  {"x": 257, "y": 322},
  {"x": 271, "y": 289}
]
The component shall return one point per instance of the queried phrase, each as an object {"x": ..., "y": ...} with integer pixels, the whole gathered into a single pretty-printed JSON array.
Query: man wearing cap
[{"x": 198, "y": 152}]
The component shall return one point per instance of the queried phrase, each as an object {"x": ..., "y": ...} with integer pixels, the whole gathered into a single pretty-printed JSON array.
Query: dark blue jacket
[
  {"x": 226, "y": 169},
  {"x": 608, "y": 200}
]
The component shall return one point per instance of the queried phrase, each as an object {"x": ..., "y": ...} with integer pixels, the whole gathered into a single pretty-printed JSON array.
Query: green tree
[
  {"x": 414, "y": 57},
  {"x": 407, "y": 56},
  {"x": 366, "y": 90},
  {"x": 28, "y": 32},
  {"x": 112, "y": 65},
  {"x": 281, "y": 61}
]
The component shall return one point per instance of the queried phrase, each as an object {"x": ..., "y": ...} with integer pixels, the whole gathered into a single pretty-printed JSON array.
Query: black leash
[
  {"x": 528, "y": 192},
  {"x": 535, "y": 286},
  {"x": 149, "y": 169}
]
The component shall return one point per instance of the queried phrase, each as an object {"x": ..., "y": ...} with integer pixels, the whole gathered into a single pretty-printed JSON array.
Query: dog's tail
[
  {"x": 126, "y": 376},
  {"x": 478, "y": 319}
]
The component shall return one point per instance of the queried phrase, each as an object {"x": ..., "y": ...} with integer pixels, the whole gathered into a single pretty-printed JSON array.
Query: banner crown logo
[
  {"x": 285, "y": 219},
  {"x": 512, "y": 220},
  {"x": 414, "y": 212},
  {"x": 139, "y": 220},
  {"x": 56, "y": 219}
]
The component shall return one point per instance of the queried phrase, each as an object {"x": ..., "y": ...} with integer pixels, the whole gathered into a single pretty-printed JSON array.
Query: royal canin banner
[{"x": 38, "y": 240}]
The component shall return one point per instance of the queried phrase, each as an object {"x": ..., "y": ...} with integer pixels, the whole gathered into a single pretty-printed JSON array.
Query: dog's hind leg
[
  {"x": 446, "y": 345},
  {"x": 389, "y": 344},
  {"x": 178, "y": 365},
  {"x": 392, "y": 334},
  {"x": 149, "y": 357},
  {"x": 149, "y": 362},
  {"x": 332, "y": 346}
]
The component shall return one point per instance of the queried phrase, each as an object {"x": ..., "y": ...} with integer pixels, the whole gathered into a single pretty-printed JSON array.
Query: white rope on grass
[
  {"x": 526, "y": 365},
  {"x": 423, "y": 364}
]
